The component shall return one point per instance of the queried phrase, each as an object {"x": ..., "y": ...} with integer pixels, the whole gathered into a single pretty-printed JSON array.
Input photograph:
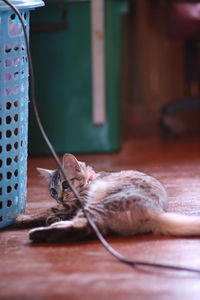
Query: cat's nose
[{"x": 60, "y": 200}]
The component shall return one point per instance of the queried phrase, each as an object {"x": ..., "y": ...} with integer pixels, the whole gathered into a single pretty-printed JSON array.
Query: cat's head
[{"x": 78, "y": 172}]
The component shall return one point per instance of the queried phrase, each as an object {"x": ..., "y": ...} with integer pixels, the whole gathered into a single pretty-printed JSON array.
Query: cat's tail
[{"x": 176, "y": 225}]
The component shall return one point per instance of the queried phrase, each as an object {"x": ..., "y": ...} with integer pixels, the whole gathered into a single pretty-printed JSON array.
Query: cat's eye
[
  {"x": 65, "y": 185},
  {"x": 53, "y": 193}
]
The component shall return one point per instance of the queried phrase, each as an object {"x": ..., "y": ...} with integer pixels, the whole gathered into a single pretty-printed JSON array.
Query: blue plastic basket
[{"x": 13, "y": 110}]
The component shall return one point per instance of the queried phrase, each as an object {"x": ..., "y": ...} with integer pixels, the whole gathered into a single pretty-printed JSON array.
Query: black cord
[{"x": 104, "y": 242}]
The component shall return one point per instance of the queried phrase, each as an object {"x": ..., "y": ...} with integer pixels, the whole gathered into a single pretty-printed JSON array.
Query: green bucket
[{"x": 61, "y": 45}]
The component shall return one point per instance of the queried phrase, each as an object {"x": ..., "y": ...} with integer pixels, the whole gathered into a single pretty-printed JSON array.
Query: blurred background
[
  {"x": 163, "y": 68},
  {"x": 105, "y": 74}
]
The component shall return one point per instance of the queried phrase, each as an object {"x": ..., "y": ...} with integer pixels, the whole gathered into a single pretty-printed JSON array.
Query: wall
[{"x": 157, "y": 73}]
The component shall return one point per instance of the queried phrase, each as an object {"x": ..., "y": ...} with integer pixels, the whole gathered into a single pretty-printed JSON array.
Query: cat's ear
[
  {"x": 47, "y": 174},
  {"x": 71, "y": 166}
]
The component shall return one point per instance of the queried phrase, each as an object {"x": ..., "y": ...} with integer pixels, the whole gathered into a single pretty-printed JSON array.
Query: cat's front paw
[
  {"x": 30, "y": 221},
  {"x": 23, "y": 221}
]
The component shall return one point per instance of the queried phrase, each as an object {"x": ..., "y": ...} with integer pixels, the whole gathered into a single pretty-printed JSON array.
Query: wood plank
[{"x": 85, "y": 270}]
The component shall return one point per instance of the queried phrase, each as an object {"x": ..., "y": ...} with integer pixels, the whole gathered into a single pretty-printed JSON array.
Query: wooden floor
[{"x": 85, "y": 270}]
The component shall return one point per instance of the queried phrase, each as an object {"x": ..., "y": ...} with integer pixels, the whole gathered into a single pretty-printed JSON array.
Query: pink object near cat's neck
[{"x": 92, "y": 175}]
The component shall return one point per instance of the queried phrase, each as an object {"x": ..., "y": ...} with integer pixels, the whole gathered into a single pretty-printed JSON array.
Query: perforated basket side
[{"x": 13, "y": 116}]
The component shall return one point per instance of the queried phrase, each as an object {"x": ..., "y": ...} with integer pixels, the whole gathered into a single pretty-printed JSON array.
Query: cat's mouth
[{"x": 60, "y": 200}]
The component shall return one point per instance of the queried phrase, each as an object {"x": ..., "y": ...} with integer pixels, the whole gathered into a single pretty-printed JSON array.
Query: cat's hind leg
[{"x": 63, "y": 231}]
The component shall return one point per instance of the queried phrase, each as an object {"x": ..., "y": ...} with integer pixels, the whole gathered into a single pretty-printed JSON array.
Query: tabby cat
[{"x": 121, "y": 203}]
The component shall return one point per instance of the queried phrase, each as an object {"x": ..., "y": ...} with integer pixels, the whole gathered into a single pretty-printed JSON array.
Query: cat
[{"x": 120, "y": 203}]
